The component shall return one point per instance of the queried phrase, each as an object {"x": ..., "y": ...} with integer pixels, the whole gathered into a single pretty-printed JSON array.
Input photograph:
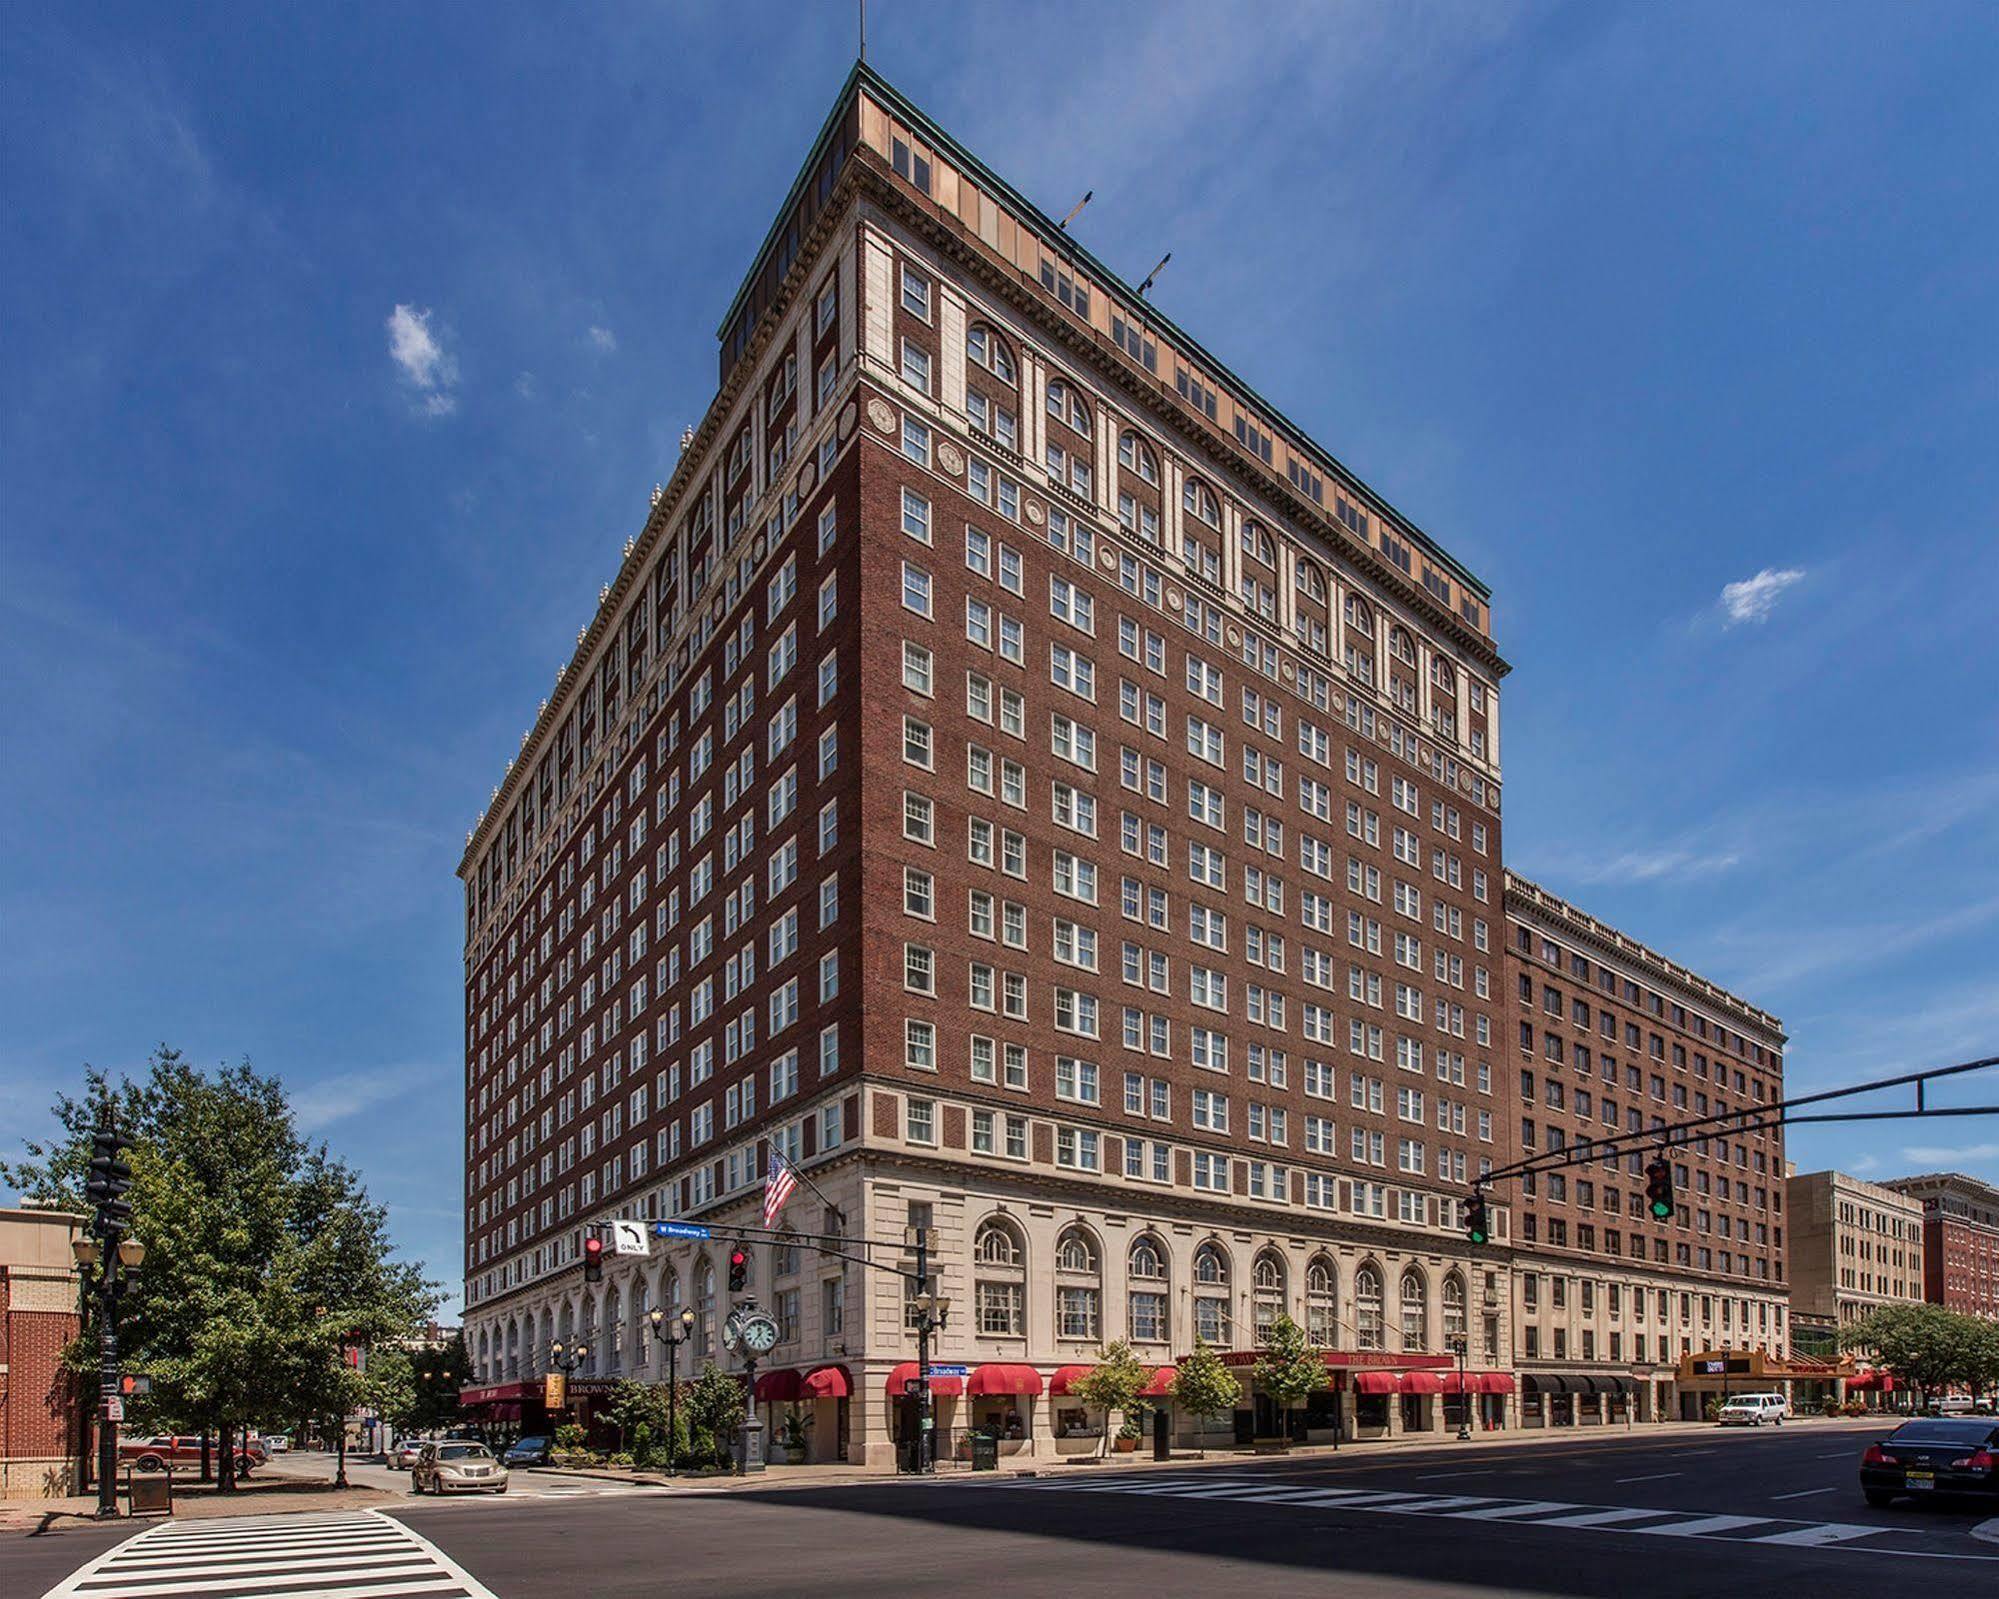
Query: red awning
[
  {"x": 1420, "y": 1382},
  {"x": 1066, "y": 1377},
  {"x": 1377, "y": 1382},
  {"x": 941, "y": 1387},
  {"x": 1495, "y": 1382},
  {"x": 1001, "y": 1378},
  {"x": 830, "y": 1382},
  {"x": 1161, "y": 1386},
  {"x": 778, "y": 1386},
  {"x": 1453, "y": 1382}
]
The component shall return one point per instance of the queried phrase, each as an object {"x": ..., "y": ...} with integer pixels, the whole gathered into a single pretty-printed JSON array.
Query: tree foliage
[
  {"x": 1929, "y": 1346},
  {"x": 712, "y": 1406},
  {"x": 264, "y": 1255},
  {"x": 1290, "y": 1367},
  {"x": 1203, "y": 1386},
  {"x": 1115, "y": 1382}
]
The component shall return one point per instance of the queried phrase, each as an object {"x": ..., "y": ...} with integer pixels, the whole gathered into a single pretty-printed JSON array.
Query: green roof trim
[{"x": 1063, "y": 243}]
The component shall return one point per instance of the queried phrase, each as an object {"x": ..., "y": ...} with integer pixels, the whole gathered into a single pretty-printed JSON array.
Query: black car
[
  {"x": 1934, "y": 1455},
  {"x": 529, "y": 1452}
]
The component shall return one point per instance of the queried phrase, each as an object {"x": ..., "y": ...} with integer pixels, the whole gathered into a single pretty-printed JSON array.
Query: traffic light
[
  {"x": 1659, "y": 1188},
  {"x": 1476, "y": 1227},
  {"x": 739, "y": 1269},
  {"x": 593, "y": 1259},
  {"x": 109, "y": 1180}
]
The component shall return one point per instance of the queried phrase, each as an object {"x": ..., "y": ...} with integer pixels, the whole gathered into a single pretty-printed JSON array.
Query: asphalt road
[{"x": 1623, "y": 1515}]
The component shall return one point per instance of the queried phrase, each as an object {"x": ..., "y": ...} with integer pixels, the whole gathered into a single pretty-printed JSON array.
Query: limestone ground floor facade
[{"x": 1039, "y": 1276}]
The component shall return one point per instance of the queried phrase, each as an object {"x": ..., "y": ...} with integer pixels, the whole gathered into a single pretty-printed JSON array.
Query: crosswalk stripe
[
  {"x": 1653, "y": 1521},
  {"x": 364, "y": 1556},
  {"x": 1824, "y": 1533},
  {"x": 1702, "y": 1527}
]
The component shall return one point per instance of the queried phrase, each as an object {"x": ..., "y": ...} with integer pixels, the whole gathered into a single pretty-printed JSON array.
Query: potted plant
[
  {"x": 792, "y": 1436},
  {"x": 1130, "y": 1430}
]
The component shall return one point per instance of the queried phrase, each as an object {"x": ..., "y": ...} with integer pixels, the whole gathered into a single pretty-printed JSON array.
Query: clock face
[{"x": 759, "y": 1333}]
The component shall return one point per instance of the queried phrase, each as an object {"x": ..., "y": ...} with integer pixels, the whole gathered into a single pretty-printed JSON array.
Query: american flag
[{"x": 778, "y": 1184}]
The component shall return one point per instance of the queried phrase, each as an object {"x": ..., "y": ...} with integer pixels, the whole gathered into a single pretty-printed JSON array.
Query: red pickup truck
[{"x": 183, "y": 1453}]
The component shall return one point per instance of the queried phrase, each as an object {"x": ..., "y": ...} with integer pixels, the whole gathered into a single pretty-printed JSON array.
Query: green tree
[
  {"x": 712, "y": 1405},
  {"x": 1924, "y": 1344},
  {"x": 1203, "y": 1386},
  {"x": 639, "y": 1411},
  {"x": 439, "y": 1374},
  {"x": 1114, "y": 1384},
  {"x": 1290, "y": 1367},
  {"x": 264, "y": 1254}
]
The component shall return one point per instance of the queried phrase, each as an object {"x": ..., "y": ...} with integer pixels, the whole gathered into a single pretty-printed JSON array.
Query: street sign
[
  {"x": 629, "y": 1238},
  {"x": 555, "y": 1391},
  {"x": 678, "y": 1229},
  {"x": 912, "y": 1386},
  {"x": 114, "y": 1408},
  {"x": 950, "y": 1371}
]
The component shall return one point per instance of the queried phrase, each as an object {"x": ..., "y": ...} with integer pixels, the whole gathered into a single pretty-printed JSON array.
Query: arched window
[
  {"x": 1442, "y": 676},
  {"x": 1359, "y": 618},
  {"x": 1147, "y": 1271},
  {"x": 984, "y": 347},
  {"x": 1321, "y": 1310},
  {"x": 1415, "y": 1310},
  {"x": 1266, "y": 1276},
  {"x": 587, "y": 1334},
  {"x": 542, "y": 1343},
  {"x": 614, "y": 1331},
  {"x": 669, "y": 1292},
  {"x": 485, "y": 1354},
  {"x": 1454, "y": 1308},
  {"x": 1212, "y": 1320},
  {"x": 1000, "y": 1287},
  {"x": 1066, "y": 405},
  {"x": 513, "y": 1349},
  {"x": 641, "y": 1323},
  {"x": 1256, "y": 544},
  {"x": 1078, "y": 1294},
  {"x": 1311, "y": 582},
  {"x": 1075, "y": 1252},
  {"x": 1367, "y": 1308},
  {"x": 1401, "y": 646},
  {"x": 1198, "y": 501},
  {"x": 1134, "y": 454},
  {"x": 998, "y": 1245}
]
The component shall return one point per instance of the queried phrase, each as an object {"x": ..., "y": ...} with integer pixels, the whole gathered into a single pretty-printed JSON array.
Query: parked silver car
[{"x": 457, "y": 1468}]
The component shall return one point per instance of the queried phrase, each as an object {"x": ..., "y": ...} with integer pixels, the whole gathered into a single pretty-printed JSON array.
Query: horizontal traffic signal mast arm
[{"x": 1779, "y": 1113}]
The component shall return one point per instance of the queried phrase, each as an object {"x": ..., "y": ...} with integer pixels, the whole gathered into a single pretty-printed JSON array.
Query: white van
[{"x": 1752, "y": 1410}]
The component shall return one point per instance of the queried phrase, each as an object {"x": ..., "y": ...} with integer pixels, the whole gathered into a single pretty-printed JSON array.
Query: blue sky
[{"x": 344, "y": 347}]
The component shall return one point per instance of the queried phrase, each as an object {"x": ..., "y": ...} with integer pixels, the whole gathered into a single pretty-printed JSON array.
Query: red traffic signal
[
  {"x": 132, "y": 1384},
  {"x": 739, "y": 1270},
  {"x": 593, "y": 1259}
]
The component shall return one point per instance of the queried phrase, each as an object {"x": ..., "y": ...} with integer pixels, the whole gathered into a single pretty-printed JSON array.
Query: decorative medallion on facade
[
  {"x": 949, "y": 461},
  {"x": 849, "y": 415},
  {"x": 1109, "y": 558},
  {"x": 808, "y": 474},
  {"x": 1034, "y": 512},
  {"x": 882, "y": 417},
  {"x": 1235, "y": 638},
  {"x": 1172, "y": 599}
]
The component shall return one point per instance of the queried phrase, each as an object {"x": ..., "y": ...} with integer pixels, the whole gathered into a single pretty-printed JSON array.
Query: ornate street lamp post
[{"x": 673, "y": 1340}]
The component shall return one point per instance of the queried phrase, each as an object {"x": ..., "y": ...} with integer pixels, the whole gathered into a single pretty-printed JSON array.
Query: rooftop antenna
[
  {"x": 864, "y": 29},
  {"x": 1074, "y": 210},
  {"x": 1153, "y": 276}
]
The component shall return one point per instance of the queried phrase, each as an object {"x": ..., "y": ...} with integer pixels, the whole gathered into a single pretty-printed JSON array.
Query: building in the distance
[
  {"x": 39, "y": 1314},
  {"x": 1608, "y": 1037},
  {"x": 1960, "y": 1240},
  {"x": 1855, "y": 1246},
  {"x": 1018, "y": 775}
]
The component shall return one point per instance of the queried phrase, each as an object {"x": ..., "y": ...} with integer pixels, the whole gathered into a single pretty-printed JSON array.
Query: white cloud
[
  {"x": 1947, "y": 1155},
  {"x": 1752, "y": 599},
  {"x": 426, "y": 365},
  {"x": 1650, "y": 866},
  {"x": 319, "y": 1105},
  {"x": 603, "y": 339}
]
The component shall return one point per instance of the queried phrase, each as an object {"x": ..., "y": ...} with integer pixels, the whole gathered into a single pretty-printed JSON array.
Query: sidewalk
[
  {"x": 829, "y": 1476},
  {"x": 262, "y": 1496}
]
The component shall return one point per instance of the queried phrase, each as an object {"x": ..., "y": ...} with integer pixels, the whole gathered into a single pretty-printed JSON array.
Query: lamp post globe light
[
  {"x": 684, "y": 1321},
  {"x": 567, "y": 1357}
]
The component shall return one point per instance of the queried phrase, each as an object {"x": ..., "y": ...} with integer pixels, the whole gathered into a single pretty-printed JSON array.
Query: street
[{"x": 1700, "y": 1513}]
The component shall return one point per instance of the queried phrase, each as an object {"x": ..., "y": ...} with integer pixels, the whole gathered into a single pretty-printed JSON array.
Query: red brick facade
[{"x": 38, "y": 1317}]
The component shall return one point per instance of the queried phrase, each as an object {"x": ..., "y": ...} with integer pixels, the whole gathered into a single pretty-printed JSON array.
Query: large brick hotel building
[{"x": 1021, "y": 777}]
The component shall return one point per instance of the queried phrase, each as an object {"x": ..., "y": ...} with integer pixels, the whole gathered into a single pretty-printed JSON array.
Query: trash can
[{"x": 985, "y": 1452}]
